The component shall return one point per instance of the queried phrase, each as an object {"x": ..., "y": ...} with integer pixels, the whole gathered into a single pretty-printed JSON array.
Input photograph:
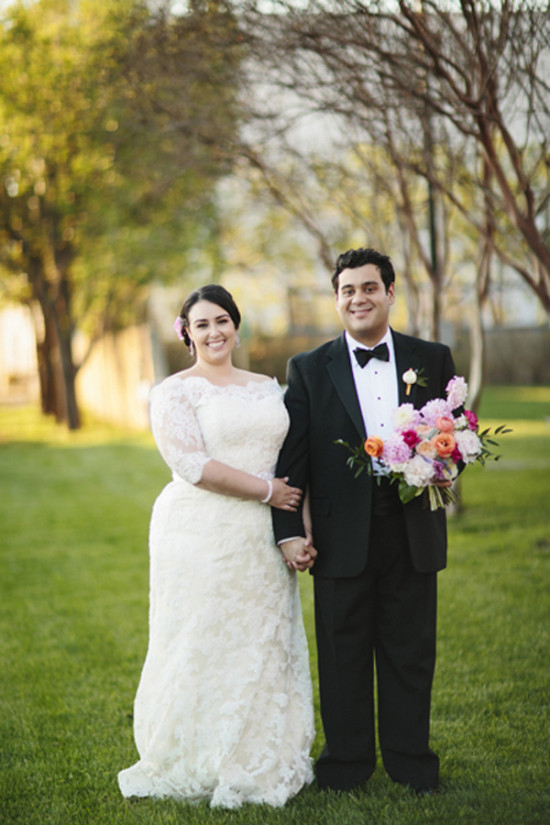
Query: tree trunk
[
  {"x": 56, "y": 367},
  {"x": 483, "y": 281},
  {"x": 67, "y": 370},
  {"x": 46, "y": 371},
  {"x": 477, "y": 357},
  {"x": 64, "y": 326}
]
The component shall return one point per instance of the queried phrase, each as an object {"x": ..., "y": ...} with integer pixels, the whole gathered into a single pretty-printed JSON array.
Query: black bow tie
[{"x": 364, "y": 355}]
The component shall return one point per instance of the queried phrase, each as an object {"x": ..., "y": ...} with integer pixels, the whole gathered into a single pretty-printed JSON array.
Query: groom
[{"x": 377, "y": 559}]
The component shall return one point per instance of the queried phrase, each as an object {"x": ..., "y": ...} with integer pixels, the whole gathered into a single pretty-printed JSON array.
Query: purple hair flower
[{"x": 178, "y": 327}]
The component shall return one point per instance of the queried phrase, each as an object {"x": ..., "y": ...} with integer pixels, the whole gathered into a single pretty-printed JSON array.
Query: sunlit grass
[
  {"x": 75, "y": 510},
  {"x": 524, "y": 403},
  {"x": 27, "y": 424}
]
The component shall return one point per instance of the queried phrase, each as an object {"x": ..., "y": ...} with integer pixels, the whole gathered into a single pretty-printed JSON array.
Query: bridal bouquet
[{"x": 427, "y": 446}]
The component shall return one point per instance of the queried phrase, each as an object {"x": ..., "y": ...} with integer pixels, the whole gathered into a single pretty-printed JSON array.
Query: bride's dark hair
[{"x": 216, "y": 294}]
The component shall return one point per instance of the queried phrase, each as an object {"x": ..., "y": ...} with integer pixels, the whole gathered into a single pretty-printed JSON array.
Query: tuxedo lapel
[
  {"x": 340, "y": 373},
  {"x": 339, "y": 370},
  {"x": 405, "y": 358}
]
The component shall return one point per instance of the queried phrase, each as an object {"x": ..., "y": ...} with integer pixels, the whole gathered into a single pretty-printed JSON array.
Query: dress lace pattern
[{"x": 223, "y": 709}]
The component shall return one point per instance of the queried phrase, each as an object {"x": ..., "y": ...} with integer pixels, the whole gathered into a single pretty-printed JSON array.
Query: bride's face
[{"x": 212, "y": 331}]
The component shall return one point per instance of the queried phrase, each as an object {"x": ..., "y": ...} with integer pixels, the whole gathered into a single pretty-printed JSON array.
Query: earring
[
  {"x": 191, "y": 349},
  {"x": 237, "y": 341}
]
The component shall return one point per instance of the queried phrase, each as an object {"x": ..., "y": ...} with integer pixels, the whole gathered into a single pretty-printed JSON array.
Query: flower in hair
[{"x": 178, "y": 327}]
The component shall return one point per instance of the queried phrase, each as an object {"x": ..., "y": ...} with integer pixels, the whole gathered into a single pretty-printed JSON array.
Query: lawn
[{"x": 74, "y": 510}]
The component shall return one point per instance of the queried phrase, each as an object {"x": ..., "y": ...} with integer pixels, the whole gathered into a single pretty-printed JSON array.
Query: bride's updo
[{"x": 214, "y": 293}]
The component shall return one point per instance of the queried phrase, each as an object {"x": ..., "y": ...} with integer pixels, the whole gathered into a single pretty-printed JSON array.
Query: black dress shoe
[{"x": 426, "y": 791}]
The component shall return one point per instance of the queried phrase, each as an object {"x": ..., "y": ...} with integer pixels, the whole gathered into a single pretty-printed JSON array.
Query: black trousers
[{"x": 384, "y": 617}]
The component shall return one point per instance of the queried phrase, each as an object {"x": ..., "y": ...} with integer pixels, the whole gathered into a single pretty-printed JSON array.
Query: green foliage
[
  {"x": 114, "y": 123},
  {"x": 73, "y": 633},
  {"x": 108, "y": 163}
]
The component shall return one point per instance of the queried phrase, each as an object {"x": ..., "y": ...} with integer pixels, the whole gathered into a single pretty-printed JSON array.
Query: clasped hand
[{"x": 299, "y": 554}]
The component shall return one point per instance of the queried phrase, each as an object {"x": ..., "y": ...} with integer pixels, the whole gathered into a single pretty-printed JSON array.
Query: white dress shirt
[{"x": 376, "y": 386}]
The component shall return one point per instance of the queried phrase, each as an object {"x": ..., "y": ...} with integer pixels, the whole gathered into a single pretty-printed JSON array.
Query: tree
[
  {"x": 449, "y": 98},
  {"x": 106, "y": 165},
  {"x": 472, "y": 77}
]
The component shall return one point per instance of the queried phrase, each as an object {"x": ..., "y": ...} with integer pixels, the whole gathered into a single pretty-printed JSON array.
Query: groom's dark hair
[{"x": 354, "y": 258}]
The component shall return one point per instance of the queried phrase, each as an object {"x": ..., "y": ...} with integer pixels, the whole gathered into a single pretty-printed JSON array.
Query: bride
[{"x": 223, "y": 709}]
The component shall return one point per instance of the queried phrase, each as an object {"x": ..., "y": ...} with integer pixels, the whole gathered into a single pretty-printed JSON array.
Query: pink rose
[{"x": 444, "y": 424}]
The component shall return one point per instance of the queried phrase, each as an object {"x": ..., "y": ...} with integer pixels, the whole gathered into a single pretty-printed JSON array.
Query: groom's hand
[{"x": 299, "y": 554}]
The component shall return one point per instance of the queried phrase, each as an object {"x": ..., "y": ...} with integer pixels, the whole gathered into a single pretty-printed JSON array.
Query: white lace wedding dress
[{"x": 224, "y": 706}]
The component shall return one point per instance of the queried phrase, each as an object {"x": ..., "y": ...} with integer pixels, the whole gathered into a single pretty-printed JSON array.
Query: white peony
[
  {"x": 469, "y": 445},
  {"x": 405, "y": 417},
  {"x": 418, "y": 472},
  {"x": 457, "y": 392}
]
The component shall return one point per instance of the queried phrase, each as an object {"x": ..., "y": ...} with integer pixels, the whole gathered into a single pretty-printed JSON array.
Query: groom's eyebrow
[{"x": 358, "y": 286}]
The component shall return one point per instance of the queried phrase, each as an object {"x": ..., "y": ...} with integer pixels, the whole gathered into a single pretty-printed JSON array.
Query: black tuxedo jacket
[{"x": 323, "y": 407}]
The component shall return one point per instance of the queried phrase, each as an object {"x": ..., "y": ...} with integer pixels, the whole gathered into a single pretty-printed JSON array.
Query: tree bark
[
  {"x": 46, "y": 371},
  {"x": 57, "y": 370},
  {"x": 483, "y": 282}
]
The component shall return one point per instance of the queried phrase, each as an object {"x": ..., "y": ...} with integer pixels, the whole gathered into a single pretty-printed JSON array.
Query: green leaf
[{"x": 406, "y": 492}]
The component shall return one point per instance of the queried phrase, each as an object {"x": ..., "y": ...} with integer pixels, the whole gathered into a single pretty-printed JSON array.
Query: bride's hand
[
  {"x": 299, "y": 554},
  {"x": 285, "y": 497}
]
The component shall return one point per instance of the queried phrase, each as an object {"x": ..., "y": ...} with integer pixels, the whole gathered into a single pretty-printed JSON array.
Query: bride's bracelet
[{"x": 267, "y": 499}]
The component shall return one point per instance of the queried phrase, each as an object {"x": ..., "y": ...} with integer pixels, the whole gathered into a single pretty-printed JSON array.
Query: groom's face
[{"x": 363, "y": 303}]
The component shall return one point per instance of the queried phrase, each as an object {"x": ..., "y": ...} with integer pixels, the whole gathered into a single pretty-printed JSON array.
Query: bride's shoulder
[
  {"x": 259, "y": 384},
  {"x": 262, "y": 386},
  {"x": 255, "y": 378},
  {"x": 172, "y": 384}
]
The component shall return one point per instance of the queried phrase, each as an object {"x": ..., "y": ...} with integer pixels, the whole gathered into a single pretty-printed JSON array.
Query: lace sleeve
[{"x": 176, "y": 430}]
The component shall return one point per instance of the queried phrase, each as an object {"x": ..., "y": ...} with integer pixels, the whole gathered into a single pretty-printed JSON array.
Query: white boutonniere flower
[{"x": 411, "y": 377}]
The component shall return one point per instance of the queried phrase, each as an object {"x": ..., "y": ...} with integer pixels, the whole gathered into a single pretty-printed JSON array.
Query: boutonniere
[{"x": 412, "y": 376}]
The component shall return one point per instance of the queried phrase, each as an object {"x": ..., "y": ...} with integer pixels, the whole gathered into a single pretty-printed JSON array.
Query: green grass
[{"x": 74, "y": 510}]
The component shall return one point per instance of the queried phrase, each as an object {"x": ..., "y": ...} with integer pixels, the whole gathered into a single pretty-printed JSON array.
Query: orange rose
[
  {"x": 446, "y": 425},
  {"x": 444, "y": 443},
  {"x": 374, "y": 446}
]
